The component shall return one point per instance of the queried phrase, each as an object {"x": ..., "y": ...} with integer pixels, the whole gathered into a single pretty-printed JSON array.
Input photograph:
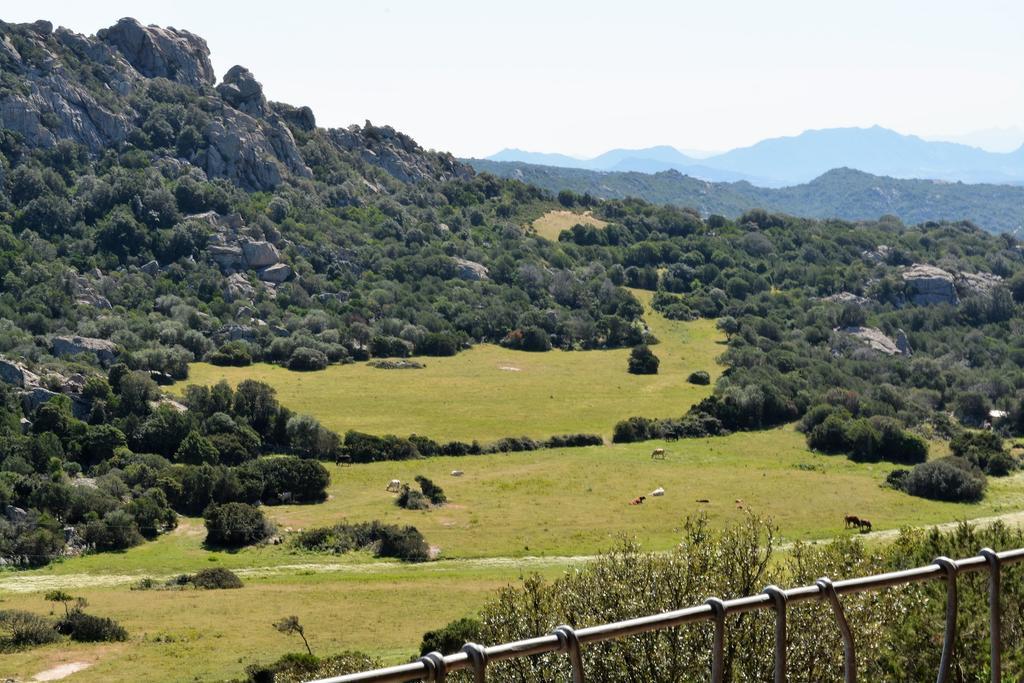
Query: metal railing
[{"x": 565, "y": 639}]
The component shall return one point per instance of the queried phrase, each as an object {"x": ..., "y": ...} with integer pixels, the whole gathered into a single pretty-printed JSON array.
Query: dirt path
[
  {"x": 61, "y": 671},
  {"x": 20, "y": 583}
]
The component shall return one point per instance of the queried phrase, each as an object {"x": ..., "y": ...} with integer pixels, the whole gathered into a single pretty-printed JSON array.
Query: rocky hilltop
[{"x": 60, "y": 85}]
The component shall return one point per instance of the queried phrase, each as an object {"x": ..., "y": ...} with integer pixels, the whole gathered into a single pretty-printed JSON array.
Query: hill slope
[{"x": 840, "y": 193}]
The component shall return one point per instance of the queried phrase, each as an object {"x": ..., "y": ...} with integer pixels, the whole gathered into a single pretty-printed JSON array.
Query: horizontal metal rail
[{"x": 565, "y": 639}]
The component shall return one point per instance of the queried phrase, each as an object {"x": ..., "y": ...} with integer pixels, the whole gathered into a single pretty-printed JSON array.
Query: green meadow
[
  {"x": 508, "y": 516},
  {"x": 489, "y": 392}
]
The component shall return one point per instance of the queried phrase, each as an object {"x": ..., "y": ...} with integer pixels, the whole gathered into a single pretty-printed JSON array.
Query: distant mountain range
[
  {"x": 839, "y": 193},
  {"x": 785, "y": 161}
]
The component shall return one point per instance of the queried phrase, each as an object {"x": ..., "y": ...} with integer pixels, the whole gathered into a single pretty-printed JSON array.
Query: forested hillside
[
  {"x": 150, "y": 218},
  {"x": 841, "y": 193}
]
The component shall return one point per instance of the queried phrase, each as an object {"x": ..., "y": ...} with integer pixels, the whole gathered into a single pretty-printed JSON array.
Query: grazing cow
[
  {"x": 658, "y": 492},
  {"x": 865, "y": 526},
  {"x": 658, "y": 454},
  {"x": 851, "y": 521},
  {"x": 638, "y": 501},
  {"x": 394, "y": 486},
  {"x": 341, "y": 459},
  {"x": 457, "y": 473},
  {"x": 739, "y": 501}
]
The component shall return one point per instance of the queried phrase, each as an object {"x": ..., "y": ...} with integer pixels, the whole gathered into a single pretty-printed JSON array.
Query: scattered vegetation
[
  {"x": 642, "y": 361},
  {"x": 385, "y": 540},
  {"x": 234, "y": 525}
]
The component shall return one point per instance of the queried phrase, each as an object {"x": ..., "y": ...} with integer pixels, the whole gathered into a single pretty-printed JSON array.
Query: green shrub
[
  {"x": 88, "y": 628},
  {"x": 642, "y": 361},
  {"x": 951, "y": 479},
  {"x": 215, "y": 578},
  {"x": 20, "y": 629},
  {"x": 431, "y": 490},
  {"x": 234, "y": 525},
  {"x": 574, "y": 441},
  {"x": 299, "y": 667},
  {"x": 386, "y": 540},
  {"x": 451, "y": 637},
  {"x": 304, "y": 358},
  {"x": 411, "y": 499},
  {"x": 700, "y": 377},
  {"x": 897, "y": 479},
  {"x": 231, "y": 354}
]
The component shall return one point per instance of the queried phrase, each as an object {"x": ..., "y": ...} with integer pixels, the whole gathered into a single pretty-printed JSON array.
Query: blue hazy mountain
[
  {"x": 783, "y": 161},
  {"x": 647, "y": 160}
]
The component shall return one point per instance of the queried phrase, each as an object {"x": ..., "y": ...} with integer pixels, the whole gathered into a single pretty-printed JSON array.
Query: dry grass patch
[{"x": 552, "y": 223}]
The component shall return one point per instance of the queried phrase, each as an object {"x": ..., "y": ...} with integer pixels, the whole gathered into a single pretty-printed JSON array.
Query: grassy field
[
  {"x": 510, "y": 515},
  {"x": 489, "y": 392},
  {"x": 552, "y": 223}
]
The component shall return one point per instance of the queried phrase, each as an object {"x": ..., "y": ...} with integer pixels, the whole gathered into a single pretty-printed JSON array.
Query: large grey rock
[
  {"x": 35, "y": 397},
  {"x": 260, "y": 254},
  {"x": 242, "y": 91},
  {"x": 225, "y": 255},
  {"x": 12, "y": 372},
  {"x": 874, "y": 338},
  {"x": 150, "y": 267},
  {"x": 161, "y": 52},
  {"x": 973, "y": 284},
  {"x": 105, "y": 350},
  {"x": 15, "y": 514},
  {"x": 238, "y": 287},
  {"x": 470, "y": 270},
  {"x": 846, "y": 298},
  {"x": 276, "y": 273},
  {"x": 927, "y": 285}
]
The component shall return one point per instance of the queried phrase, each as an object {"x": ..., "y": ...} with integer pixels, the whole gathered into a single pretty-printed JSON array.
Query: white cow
[
  {"x": 394, "y": 486},
  {"x": 658, "y": 492},
  {"x": 457, "y": 473},
  {"x": 658, "y": 454}
]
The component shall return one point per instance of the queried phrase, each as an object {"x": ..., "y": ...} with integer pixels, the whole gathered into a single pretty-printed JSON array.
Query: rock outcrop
[
  {"x": 927, "y": 285},
  {"x": 242, "y": 91},
  {"x": 397, "y": 153},
  {"x": 975, "y": 284},
  {"x": 470, "y": 270},
  {"x": 161, "y": 52},
  {"x": 260, "y": 254},
  {"x": 15, "y": 373},
  {"x": 276, "y": 273},
  {"x": 105, "y": 350},
  {"x": 875, "y": 339},
  {"x": 846, "y": 298}
]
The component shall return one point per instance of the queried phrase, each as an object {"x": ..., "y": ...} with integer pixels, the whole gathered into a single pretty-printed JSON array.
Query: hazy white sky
[{"x": 473, "y": 76}]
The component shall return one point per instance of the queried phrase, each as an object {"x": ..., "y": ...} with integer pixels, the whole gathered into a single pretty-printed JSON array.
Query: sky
[{"x": 475, "y": 76}]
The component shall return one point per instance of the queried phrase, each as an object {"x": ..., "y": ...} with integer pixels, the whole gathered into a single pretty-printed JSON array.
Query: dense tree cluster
[{"x": 122, "y": 469}]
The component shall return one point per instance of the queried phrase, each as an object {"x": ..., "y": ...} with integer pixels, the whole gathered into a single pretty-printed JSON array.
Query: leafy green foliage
[
  {"x": 234, "y": 525},
  {"x": 386, "y": 540}
]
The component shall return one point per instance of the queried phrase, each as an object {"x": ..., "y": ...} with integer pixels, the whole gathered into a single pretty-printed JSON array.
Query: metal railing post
[
  {"x": 995, "y": 614},
  {"x": 778, "y": 597},
  {"x": 828, "y": 592},
  {"x": 718, "y": 642},
  {"x": 569, "y": 642},
  {"x": 949, "y": 637},
  {"x": 478, "y": 656},
  {"x": 436, "y": 667}
]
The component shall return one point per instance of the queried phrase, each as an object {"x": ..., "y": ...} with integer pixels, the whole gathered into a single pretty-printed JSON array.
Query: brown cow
[
  {"x": 865, "y": 526},
  {"x": 638, "y": 501},
  {"x": 851, "y": 521}
]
